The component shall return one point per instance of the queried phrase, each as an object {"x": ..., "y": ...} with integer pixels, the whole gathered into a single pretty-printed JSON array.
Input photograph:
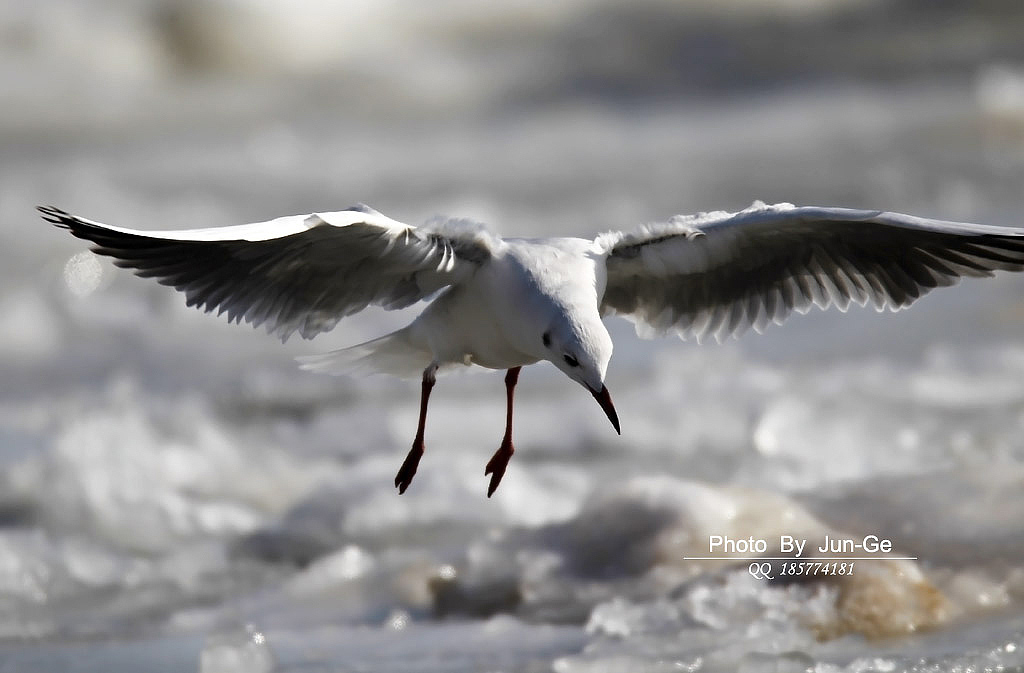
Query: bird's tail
[{"x": 393, "y": 354}]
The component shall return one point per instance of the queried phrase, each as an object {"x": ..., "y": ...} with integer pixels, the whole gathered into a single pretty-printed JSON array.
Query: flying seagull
[{"x": 502, "y": 303}]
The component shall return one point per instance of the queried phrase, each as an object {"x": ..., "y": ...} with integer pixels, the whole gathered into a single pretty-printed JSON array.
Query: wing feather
[
  {"x": 299, "y": 273},
  {"x": 719, "y": 274}
]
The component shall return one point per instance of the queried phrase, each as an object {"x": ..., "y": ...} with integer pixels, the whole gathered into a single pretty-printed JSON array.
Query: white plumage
[{"x": 511, "y": 302}]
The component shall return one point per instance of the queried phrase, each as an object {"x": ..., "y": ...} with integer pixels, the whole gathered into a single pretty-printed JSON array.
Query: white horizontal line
[{"x": 799, "y": 558}]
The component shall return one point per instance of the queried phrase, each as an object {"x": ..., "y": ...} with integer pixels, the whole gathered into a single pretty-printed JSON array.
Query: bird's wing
[
  {"x": 303, "y": 272},
  {"x": 721, "y": 273}
]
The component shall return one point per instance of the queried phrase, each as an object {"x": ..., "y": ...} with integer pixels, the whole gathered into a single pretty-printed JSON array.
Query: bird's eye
[
  {"x": 546, "y": 338},
  {"x": 571, "y": 361}
]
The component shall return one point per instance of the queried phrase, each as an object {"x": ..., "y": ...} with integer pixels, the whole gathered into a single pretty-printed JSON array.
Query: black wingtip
[{"x": 56, "y": 216}]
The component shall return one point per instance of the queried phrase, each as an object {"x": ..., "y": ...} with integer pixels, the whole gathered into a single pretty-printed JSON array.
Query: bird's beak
[{"x": 604, "y": 398}]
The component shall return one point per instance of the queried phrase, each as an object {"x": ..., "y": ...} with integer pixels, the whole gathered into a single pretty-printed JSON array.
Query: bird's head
[{"x": 582, "y": 349}]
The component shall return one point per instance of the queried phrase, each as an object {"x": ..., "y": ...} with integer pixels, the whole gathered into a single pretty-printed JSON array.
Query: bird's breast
[
  {"x": 475, "y": 324},
  {"x": 498, "y": 317}
]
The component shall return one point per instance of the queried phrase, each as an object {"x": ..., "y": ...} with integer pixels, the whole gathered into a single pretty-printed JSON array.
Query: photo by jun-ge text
[{"x": 797, "y": 547}]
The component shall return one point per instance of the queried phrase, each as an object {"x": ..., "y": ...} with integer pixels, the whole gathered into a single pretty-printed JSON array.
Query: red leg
[
  {"x": 412, "y": 460},
  {"x": 499, "y": 461}
]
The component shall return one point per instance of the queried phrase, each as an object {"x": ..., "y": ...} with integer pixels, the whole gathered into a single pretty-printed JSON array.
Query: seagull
[{"x": 504, "y": 303}]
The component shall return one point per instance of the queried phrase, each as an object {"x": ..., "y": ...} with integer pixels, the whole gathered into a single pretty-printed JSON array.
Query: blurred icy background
[{"x": 176, "y": 495}]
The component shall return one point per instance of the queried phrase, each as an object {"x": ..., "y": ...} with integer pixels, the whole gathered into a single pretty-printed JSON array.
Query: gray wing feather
[
  {"x": 306, "y": 280},
  {"x": 720, "y": 274}
]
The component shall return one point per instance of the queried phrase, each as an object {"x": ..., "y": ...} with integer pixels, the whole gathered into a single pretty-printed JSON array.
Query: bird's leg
[
  {"x": 412, "y": 460},
  {"x": 499, "y": 461}
]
